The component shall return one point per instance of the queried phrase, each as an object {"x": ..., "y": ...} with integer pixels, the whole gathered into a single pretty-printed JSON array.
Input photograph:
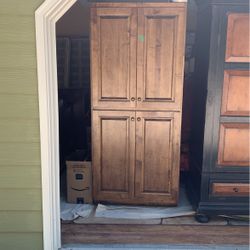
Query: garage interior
[{"x": 75, "y": 121}]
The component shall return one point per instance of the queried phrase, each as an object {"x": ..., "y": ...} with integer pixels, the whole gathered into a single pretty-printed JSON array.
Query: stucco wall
[{"x": 20, "y": 169}]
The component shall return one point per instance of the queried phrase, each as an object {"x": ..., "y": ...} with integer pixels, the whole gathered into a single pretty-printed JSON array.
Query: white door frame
[{"x": 46, "y": 17}]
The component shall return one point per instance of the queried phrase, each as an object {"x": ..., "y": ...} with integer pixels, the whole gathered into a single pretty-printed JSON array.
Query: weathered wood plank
[
  {"x": 21, "y": 241},
  {"x": 24, "y": 221},
  {"x": 157, "y": 234},
  {"x": 18, "y": 154},
  {"x": 18, "y": 55},
  {"x": 17, "y": 28},
  {"x": 18, "y": 81},
  {"x": 20, "y": 200},
  {"x": 12, "y": 130},
  {"x": 18, "y": 106},
  {"x": 17, "y": 7},
  {"x": 20, "y": 177}
]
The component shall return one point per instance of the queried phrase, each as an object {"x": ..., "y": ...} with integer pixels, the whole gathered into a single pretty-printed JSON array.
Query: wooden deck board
[{"x": 157, "y": 234}]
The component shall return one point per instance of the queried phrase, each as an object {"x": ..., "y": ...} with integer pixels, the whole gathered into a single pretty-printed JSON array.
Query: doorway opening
[
  {"x": 46, "y": 18},
  {"x": 73, "y": 71}
]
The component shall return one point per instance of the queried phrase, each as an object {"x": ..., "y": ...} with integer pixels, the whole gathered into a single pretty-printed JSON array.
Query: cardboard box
[{"x": 79, "y": 182}]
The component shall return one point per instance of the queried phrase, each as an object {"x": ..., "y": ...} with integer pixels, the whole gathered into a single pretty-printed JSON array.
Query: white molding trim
[{"x": 46, "y": 17}]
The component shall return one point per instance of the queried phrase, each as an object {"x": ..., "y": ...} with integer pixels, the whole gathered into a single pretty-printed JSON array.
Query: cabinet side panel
[{"x": 199, "y": 93}]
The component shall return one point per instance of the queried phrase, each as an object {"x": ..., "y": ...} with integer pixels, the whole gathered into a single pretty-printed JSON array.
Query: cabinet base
[
  {"x": 215, "y": 208},
  {"x": 202, "y": 218}
]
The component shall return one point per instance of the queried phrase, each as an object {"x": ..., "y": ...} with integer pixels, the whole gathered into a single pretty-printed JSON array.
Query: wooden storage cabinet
[
  {"x": 222, "y": 134},
  {"x": 132, "y": 163},
  {"x": 137, "y": 57}
]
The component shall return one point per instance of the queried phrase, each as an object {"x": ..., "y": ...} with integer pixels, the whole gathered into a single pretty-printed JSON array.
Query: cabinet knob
[
  {"x": 139, "y": 99},
  {"x": 132, "y": 99},
  {"x": 236, "y": 190},
  {"x": 132, "y": 118},
  {"x": 138, "y": 119}
]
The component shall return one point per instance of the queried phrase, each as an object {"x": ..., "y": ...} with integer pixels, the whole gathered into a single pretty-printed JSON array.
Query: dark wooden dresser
[{"x": 219, "y": 177}]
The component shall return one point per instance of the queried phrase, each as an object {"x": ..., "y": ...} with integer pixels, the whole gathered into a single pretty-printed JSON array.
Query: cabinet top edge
[{"x": 137, "y": 4}]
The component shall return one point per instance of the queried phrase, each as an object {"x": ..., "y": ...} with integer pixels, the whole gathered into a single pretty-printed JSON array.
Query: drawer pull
[
  {"x": 138, "y": 119},
  {"x": 236, "y": 190},
  {"x": 132, "y": 118},
  {"x": 132, "y": 99}
]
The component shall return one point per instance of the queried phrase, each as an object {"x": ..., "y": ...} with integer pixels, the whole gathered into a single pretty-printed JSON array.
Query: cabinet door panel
[
  {"x": 113, "y": 66},
  {"x": 160, "y": 56},
  {"x": 234, "y": 145},
  {"x": 235, "y": 97},
  {"x": 157, "y": 157},
  {"x": 237, "y": 49},
  {"x": 113, "y": 155}
]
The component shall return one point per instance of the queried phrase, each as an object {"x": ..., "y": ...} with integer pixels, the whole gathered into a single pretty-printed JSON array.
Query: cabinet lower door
[
  {"x": 113, "y": 136},
  {"x": 157, "y": 157}
]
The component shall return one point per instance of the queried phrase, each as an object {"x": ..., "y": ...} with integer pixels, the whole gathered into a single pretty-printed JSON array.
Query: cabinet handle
[
  {"x": 139, "y": 99},
  {"x": 132, "y": 99},
  {"x": 138, "y": 119},
  {"x": 236, "y": 190},
  {"x": 132, "y": 118}
]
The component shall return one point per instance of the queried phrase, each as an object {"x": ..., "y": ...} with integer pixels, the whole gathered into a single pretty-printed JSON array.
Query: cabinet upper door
[
  {"x": 113, "y": 140},
  {"x": 157, "y": 157},
  {"x": 113, "y": 57},
  {"x": 160, "y": 58}
]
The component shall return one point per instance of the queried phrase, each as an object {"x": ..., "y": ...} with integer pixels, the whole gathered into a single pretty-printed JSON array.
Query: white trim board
[{"x": 46, "y": 17}]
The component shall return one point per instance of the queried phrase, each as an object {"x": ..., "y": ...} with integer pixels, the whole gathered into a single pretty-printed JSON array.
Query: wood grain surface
[
  {"x": 230, "y": 189},
  {"x": 234, "y": 144},
  {"x": 157, "y": 159},
  {"x": 235, "y": 97},
  {"x": 237, "y": 49},
  {"x": 157, "y": 234}
]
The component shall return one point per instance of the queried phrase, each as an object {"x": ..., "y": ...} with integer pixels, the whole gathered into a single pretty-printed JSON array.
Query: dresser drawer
[
  {"x": 230, "y": 189},
  {"x": 226, "y": 187}
]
